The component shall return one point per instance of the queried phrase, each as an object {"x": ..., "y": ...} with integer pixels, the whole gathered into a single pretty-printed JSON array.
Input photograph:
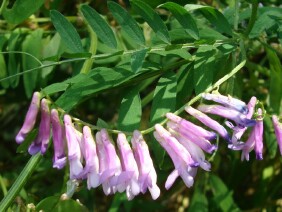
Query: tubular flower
[
  {"x": 255, "y": 141},
  {"x": 74, "y": 151},
  {"x": 181, "y": 158},
  {"x": 91, "y": 169},
  {"x": 189, "y": 126},
  {"x": 240, "y": 119},
  {"x": 198, "y": 140},
  {"x": 110, "y": 166},
  {"x": 227, "y": 101},
  {"x": 42, "y": 139},
  {"x": 239, "y": 131},
  {"x": 147, "y": 173},
  {"x": 30, "y": 118},
  {"x": 59, "y": 158},
  {"x": 278, "y": 131},
  {"x": 130, "y": 173},
  {"x": 208, "y": 122}
]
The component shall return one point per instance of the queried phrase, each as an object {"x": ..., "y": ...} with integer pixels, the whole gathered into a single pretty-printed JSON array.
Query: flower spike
[
  {"x": 206, "y": 120},
  {"x": 227, "y": 101},
  {"x": 130, "y": 172},
  {"x": 147, "y": 173},
  {"x": 59, "y": 158},
  {"x": 30, "y": 118},
  {"x": 278, "y": 131},
  {"x": 42, "y": 139}
]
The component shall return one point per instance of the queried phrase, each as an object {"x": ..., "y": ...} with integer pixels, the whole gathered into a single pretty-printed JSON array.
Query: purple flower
[
  {"x": 109, "y": 162},
  {"x": 255, "y": 140},
  {"x": 189, "y": 126},
  {"x": 74, "y": 150},
  {"x": 229, "y": 113},
  {"x": 239, "y": 131},
  {"x": 42, "y": 139},
  {"x": 30, "y": 118},
  {"x": 91, "y": 168},
  {"x": 130, "y": 173},
  {"x": 181, "y": 158},
  {"x": 206, "y": 120},
  {"x": 147, "y": 173},
  {"x": 227, "y": 101},
  {"x": 278, "y": 131},
  {"x": 59, "y": 159},
  {"x": 198, "y": 140}
]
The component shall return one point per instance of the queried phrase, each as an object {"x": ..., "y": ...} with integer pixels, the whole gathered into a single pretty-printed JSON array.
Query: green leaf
[
  {"x": 48, "y": 204},
  {"x": 96, "y": 81},
  {"x": 119, "y": 198},
  {"x": 137, "y": 59},
  {"x": 99, "y": 26},
  {"x": 66, "y": 30},
  {"x": 69, "y": 205},
  {"x": 183, "y": 17},
  {"x": 222, "y": 195},
  {"x": 204, "y": 68},
  {"x": 270, "y": 137},
  {"x": 265, "y": 21},
  {"x": 153, "y": 19},
  {"x": 213, "y": 16},
  {"x": 128, "y": 24},
  {"x": 32, "y": 45},
  {"x": 130, "y": 111},
  {"x": 21, "y": 10},
  {"x": 102, "y": 123},
  {"x": 184, "y": 84},
  {"x": 164, "y": 101},
  {"x": 275, "y": 94}
]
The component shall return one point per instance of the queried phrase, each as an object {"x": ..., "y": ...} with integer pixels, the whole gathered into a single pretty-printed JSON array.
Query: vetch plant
[{"x": 133, "y": 101}]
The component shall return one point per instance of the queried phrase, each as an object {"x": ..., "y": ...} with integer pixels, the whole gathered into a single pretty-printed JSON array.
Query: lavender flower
[
  {"x": 74, "y": 151},
  {"x": 109, "y": 162},
  {"x": 278, "y": 131},
  {"x": 227, "y": 101},
  {"x": 229, "y": 113},
  {"x": 198, "y": 140},
  {"x": 255, "y": 140},
  {"x": 30, "y": 118},
  {"x": 91, "y": 168},
  {"x": 147, "y": 173},
  {"x": 42, "y": 139},
  {"x": 180, "y": 156},
  {"x": 130, "y": 172},
  {"x": 239, "y": 131},
  {"x": 59, "y": 159},
  {"x": 208, "y": 122},
  {"x": 189, "y": 126}
]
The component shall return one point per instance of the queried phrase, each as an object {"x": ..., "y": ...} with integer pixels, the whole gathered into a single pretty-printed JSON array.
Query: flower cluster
[{"x": 128, "y": 167}]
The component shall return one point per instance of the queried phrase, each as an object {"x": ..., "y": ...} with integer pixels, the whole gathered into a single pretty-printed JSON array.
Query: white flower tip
[
  {"x": 155, "y": 191},
  {"x": 20, "y": 138}
]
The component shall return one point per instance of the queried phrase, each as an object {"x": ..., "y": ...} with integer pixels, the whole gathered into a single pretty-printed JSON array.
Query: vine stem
[
  {"x": 253, "y": 17},
  {"x": 106, "y": 55},
  {"x": 20, "y": 182},
  {"x": 3, "y": 5}
]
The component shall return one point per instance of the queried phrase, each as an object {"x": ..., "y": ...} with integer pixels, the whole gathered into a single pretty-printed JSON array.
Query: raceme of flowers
[{"x": 128, "y": 167}]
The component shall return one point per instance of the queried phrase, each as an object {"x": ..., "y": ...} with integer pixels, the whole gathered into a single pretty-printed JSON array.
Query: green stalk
[
  {"x": 93, "y": 48},
  {"x": 20, "y": 182},
  {"x": 253, "y": 17}
]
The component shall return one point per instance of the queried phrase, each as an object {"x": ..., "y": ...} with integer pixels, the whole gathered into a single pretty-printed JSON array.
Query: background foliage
[{"x": 125, "y": 69}]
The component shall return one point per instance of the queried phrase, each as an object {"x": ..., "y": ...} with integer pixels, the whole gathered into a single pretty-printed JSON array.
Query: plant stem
[
  {"x": 20, "y": 182},
  {"x": 236, "y": 15},
  {"x": 93, "y": 48},
  {"x": 253, "y": 18}
]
